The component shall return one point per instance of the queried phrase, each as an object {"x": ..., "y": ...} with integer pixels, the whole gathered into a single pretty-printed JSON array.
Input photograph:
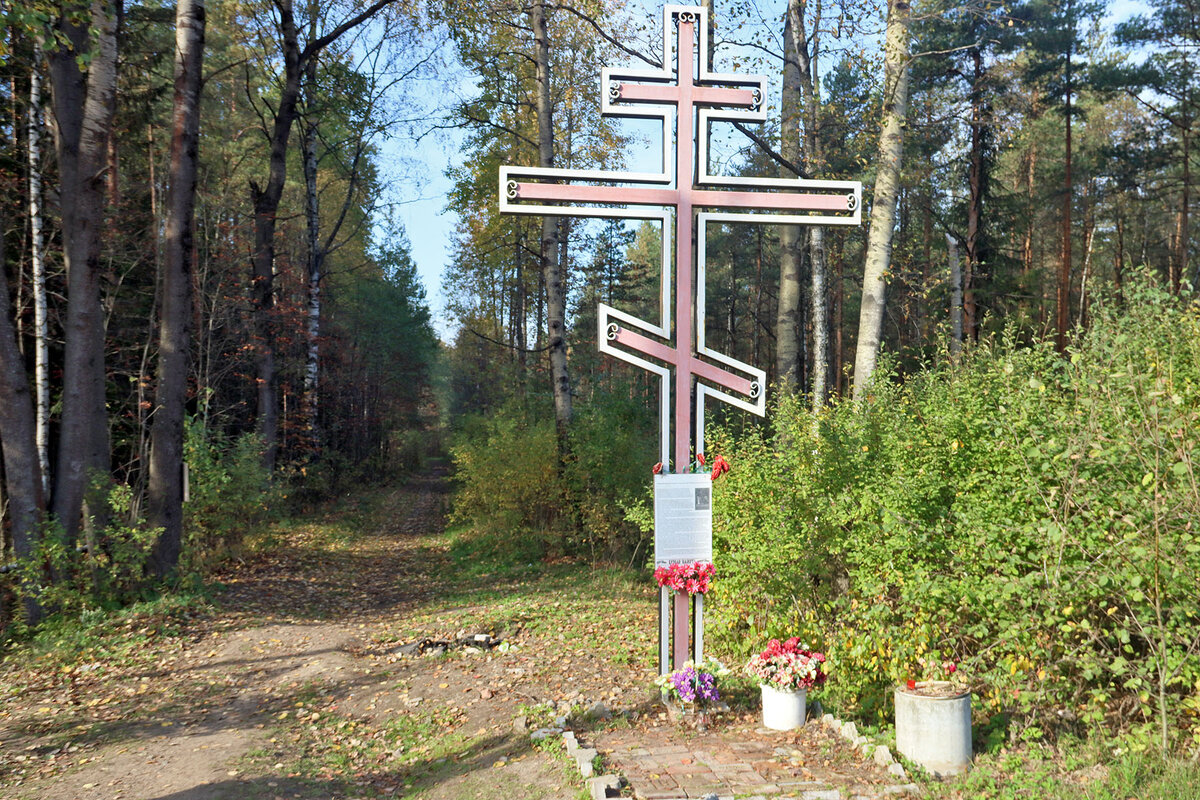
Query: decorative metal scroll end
[
  {"x": 613, "y": 330},
  {"x": 755, "y": 390},
  {"x": 614, "y": 92},
  {"x": 758, "y": 98},
  {"x": 685, "y": 16},
  {"x": 851, "y": 201},
  {"x": 511, "y": 190}
]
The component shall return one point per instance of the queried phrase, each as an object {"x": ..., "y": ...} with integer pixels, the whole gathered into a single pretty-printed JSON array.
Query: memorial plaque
[{"x": 682, "y": 518}]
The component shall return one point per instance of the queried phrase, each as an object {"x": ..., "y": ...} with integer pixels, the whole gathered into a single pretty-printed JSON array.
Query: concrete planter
[
  {"x": 933, "y": 726},
  {"x": 782, "y": 711}
]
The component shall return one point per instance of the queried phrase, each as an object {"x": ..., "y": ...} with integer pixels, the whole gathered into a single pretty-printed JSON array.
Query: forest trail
[{"x": 294, "y": 683}]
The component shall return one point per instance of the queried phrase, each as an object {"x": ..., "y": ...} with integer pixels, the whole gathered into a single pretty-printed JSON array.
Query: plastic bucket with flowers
[{"x": 785, "y": 671}]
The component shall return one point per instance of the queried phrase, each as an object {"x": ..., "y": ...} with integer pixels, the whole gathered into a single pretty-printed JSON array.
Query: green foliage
[
  {"x": 509, "y": 482},
  {"x": 505, "y": 467},
  {"x": 230, "y": 493},
  {"x": 1030, "y": 518},
  {"x": 107, "y": 574}
]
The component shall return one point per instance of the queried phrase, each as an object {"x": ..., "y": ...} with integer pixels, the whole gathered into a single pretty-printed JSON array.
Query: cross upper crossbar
[{"x": 685, "y": 92}]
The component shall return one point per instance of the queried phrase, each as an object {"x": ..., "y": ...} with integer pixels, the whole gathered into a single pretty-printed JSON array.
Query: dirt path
[
  {"x": 231, "y": 704},
  {"x": 293, "y": 684}
]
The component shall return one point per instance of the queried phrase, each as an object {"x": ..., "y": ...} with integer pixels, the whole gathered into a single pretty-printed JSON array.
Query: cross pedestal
[{"x": 686, "y": 96}]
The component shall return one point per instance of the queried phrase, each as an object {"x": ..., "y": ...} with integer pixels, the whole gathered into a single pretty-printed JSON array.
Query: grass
[{"x": 1076, "y": 772}]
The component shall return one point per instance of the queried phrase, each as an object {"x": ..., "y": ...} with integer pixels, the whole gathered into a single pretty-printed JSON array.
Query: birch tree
[
  {"x": 556, "y": 295},
  {"x": 887, "y": 190},
  {"x": 37, "y": 257}
]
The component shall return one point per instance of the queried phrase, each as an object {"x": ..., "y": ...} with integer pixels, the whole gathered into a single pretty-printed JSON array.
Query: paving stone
[
  {"x": 600, "y": 787},
  {"x": 821, "y": 794},
  {"x": 657, "y": 794},
  {"x": 544, "y": 733},
  {"x": 667, "y": 749},
  {"x": 882, "y": 755},
  {"x": 902, "y": 788}
]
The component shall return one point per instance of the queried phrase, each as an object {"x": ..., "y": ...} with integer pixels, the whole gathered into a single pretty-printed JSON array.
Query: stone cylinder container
[{"x": 933, "y": 726}]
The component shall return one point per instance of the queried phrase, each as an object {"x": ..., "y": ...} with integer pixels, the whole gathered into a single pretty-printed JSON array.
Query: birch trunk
[
  {"x": 555, "y": 285},
  {"x": 41, "y": 348},
  {"x": 807, "y": 49},
  {"x": 956, "y": 296},
  {"x": 887, "y": 189},
  {"x": 1182, "y": 229},
  {"x": 787, "y": 321},
  {"x": 316, "y": 257},
  {"x": 165, "y": 509},
  {"x": 83, "y": 113}
]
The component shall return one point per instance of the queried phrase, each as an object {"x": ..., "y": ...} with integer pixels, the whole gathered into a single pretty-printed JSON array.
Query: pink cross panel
[{"x": 685, "y": 94}]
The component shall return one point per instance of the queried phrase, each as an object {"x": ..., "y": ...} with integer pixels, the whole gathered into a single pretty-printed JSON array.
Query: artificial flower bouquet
[
  {"x": 692, "y": 578},
  {"x": 716, "y": 469},
  {"x": 693, "y": 683},
  {"x": 788, "y": 666}
]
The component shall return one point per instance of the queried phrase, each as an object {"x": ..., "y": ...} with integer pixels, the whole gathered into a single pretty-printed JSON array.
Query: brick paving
[{"x": 735, "y": 757}]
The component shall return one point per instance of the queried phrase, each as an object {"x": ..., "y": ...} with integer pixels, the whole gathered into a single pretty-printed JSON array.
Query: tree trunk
[
  {"x": 1119, "y": 257},
  {"x": 556, "y": 300},
  {"x": 1063, "y": 295},
  {"x": 316, "y": 257},
  {"x": 83, "y": 113},
  {"x": 265, "y": 200},
  {"x": 18, "y": 440},
  {"x": 1182, "y": 232},
  {"x": 787, "y": 324},
  {"x": 806, "y": 50},
  {"x": 41, "y": 347},
  {"x": 976, "y": 180},
  {"x": 165, "y": 508},
  {"x": 1089, "y": 235},
  {"x": 887, "y": 188},
  {"x": 956, "y": 297}
]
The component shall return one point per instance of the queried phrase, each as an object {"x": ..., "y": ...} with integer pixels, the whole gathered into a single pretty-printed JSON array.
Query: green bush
[
  {"x": 506, "y": 471},
  {"x": 230, "y": 494},
  {"x": 1029, "y": 517},
  {"x": 509, "y": 480}
]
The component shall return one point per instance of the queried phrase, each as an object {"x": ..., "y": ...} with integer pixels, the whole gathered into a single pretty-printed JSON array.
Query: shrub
[
  {"x": 506, "y": 466},
  {"x": 230, "y": 494},
  {"x": 1030, "y": 517}
]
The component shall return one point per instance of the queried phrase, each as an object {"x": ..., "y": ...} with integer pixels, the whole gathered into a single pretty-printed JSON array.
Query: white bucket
[
  {"x": 934, "y": 731},
  {"x": 782, "y": 711}
]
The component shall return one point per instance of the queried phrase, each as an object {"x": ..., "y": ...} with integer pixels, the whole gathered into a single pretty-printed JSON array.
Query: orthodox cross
[{"x": 683, "y": 92}]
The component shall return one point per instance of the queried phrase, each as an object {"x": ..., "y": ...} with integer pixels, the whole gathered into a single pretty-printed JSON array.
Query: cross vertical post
[{"x": 684, "y": 92}]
